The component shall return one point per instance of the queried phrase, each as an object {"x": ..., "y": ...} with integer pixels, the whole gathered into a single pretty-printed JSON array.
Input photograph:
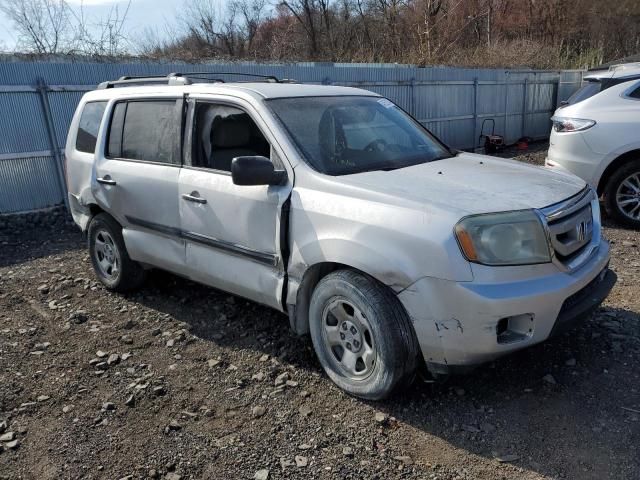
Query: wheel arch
[
  {"x": 89, "y": 212},
  {"x": 614, "y": 165},
  {"x": 299, "y": 311}
]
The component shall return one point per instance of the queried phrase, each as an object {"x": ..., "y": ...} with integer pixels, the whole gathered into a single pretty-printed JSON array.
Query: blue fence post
[
  {"x": 525, "y": 99},
  {"x": 53, "y": 138},
  {"x": 412, "y": 84},
  {"x": 506, "y": 106},
  {"x": 475, "y": 114}
]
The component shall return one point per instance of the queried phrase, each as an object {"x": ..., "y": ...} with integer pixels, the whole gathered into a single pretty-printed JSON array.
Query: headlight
[
  {"x": 511, "y": 238},
  {"x": 564, "y": 124}
]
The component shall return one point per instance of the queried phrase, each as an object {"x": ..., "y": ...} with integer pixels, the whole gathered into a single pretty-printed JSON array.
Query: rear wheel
[
  {"x": 362, "y": 335},
  {"x": 622, "y": 195},
  {"x": 109, "y": 255}
]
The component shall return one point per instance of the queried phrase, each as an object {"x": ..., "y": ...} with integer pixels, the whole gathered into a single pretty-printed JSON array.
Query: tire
[
  {"x": 620, "y": 187},
  {"x": 109, "y": 256},
  {"x": 351, "y": 315}
]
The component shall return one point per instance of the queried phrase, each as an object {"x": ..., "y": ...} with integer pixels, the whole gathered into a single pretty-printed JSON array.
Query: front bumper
[{"x": 463, "y": 324}]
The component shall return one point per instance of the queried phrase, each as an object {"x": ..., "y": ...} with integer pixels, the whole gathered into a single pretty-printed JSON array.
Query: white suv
[
  {"x": 333, "y": 205},
  {"x": 595, "y": 136}
]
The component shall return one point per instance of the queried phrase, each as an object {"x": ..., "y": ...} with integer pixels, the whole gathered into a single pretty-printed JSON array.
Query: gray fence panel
[
  {"x": 63, "y": 106},
  {"x": 452, "y": 102},
  {"x": 28, "y": 183},
  {"x": 22, "y": 127}
]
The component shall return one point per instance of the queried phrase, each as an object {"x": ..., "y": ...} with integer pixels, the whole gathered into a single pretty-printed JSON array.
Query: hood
[{"x": 470, "y": 183}]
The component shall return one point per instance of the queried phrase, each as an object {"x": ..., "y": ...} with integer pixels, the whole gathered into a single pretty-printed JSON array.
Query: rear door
[
  {"x": 136, "y": 178},
  {"x": 233, "y": 232}
]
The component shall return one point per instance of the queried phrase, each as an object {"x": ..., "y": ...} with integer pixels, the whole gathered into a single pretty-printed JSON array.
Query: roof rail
[
  {"x": 128, "y": 81},
  {"x": 615, "y": 66},
  {"x": 622, "y": 66},
  {"x": 197, "y": 75},
  {"x": 178, "y": 78}
]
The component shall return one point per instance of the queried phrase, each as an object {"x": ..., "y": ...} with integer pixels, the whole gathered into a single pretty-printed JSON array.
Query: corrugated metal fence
[{"x": 37, "y": 101}]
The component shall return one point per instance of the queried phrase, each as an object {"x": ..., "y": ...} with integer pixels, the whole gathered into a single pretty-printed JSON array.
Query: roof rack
[
  {"x": 268, "y": 78},
  {"x": 178, "y": 78},
  {"x": 623, "y": 66},
  {"x": 615, "y": 66}
]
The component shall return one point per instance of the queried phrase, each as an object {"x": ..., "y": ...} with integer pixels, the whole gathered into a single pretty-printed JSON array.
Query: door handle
[
  {"x": 193, "y": 198},
  {"x": 106, "y": 180}
]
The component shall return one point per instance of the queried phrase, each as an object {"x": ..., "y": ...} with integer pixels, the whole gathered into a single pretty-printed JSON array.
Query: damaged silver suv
[{"x": 333, "y": 205}]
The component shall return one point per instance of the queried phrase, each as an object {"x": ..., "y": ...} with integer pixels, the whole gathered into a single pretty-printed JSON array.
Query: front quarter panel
[{"x": 393, "y": 241}]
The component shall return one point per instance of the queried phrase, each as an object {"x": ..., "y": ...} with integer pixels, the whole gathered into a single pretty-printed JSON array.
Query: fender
[
  {"x": 609, "y": 159},
  {"x": 392, "y": 270}
]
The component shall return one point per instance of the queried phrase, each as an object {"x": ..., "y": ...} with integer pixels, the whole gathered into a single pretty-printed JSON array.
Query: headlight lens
[
  {"x": 511, "y": 238},
  {"x": 565, "y": 124}
]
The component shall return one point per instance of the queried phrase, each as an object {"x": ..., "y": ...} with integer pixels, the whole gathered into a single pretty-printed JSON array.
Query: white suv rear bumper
[{"x": 570, "y": 152}]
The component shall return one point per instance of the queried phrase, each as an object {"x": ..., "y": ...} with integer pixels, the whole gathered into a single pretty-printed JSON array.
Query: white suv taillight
[{"x": 564, "y": 124}]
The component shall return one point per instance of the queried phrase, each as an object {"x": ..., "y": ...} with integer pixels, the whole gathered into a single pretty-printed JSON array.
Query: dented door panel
[{"x": 232, "y": 239}]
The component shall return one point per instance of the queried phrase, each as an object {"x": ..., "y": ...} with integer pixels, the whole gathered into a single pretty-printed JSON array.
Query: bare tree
[
  {"x": 253, "y": 14},
  {"x": 536, "y": 33},
  {"x": 43, "y": 26},
  {"x": 53, "y": 27},
  {"x": 306, "y": 13},
  {"x": 104, "y": 36}
]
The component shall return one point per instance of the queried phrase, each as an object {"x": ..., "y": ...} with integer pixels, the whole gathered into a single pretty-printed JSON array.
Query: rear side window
[
  {"x": 90, "y": 121},
  {"x": 588, "y": 90},
  {"x": 146, "y": 130},
  {"x": 635, "y": 93}
]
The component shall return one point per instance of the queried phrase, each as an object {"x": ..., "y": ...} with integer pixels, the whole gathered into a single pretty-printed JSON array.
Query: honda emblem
[{"x": 581, "y": 231}]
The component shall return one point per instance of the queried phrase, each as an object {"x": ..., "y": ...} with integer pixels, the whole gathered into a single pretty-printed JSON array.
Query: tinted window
[
  {"x": 344, "y": 135},
  {"x": 588, "y": 90},
  {"x": 114, "y": 146},
  {"x": 89, "y": 125},
  {"x": 635, "y": 93},
  {"x": 146, "y": 130},
  {"x": 223, "y": 133}
]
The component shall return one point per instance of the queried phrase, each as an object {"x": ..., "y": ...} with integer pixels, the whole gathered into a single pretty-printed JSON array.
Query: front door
[
  {"x": 136, "y": 178},
  {"x": 232, "y": 231}
]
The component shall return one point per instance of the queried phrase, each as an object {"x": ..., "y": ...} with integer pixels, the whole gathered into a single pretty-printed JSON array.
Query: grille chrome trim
[
  {"x": 565, "y": 222},
  {"x": 567, "y": 207}
]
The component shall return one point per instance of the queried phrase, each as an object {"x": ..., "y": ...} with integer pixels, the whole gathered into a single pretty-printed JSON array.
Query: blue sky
[{"x": 154, "y": 14}]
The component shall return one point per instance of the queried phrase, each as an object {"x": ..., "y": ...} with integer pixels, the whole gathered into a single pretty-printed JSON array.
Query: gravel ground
[{"x": 183, "y": 381}]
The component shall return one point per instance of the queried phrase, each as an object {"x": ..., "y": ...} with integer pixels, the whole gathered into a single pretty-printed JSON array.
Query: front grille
[{"x": 571, "y": 226}]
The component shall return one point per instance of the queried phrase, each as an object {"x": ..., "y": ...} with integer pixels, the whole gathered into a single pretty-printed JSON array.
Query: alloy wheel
[
  {"x": 107, "y": 254},
  {"x": 348, "y": 338},
  {"x": 628, "y": 196}
]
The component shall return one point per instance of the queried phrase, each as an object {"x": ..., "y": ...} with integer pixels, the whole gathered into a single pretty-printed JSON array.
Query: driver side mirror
[{"x": 255, "y": 170}]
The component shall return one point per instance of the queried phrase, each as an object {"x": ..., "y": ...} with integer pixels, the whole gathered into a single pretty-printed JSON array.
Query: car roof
[
  {"x": 631, "y": 70},
  {"x": 259, "y": 90}
]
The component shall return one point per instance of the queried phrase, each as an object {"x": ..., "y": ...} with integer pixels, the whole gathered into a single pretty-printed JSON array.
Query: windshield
[
  {"x": 588, "y": 90},
  {"x": 342, "y": 135}
]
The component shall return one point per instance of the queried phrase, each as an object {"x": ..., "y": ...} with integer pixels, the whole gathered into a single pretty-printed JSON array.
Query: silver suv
[{"x": 333, "y": 205}]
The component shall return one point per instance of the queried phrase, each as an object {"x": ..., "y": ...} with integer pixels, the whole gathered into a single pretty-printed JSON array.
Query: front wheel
[
  {"x": 362, "y": 335},
  {"x": 622, "y": 195}
]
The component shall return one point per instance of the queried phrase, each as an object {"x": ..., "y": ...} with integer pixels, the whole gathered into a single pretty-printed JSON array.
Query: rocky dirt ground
[{"x": 182, "y": 381}]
